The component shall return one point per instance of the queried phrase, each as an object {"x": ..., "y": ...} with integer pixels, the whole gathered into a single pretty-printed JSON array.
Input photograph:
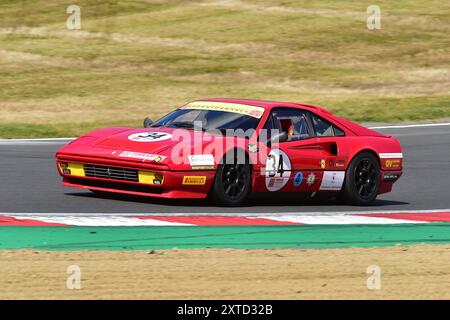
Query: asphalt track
[{"x": 29, "y": 183}]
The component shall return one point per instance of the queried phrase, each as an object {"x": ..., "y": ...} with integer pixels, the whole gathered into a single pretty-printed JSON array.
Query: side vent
[{"x": 334, "y": 149}]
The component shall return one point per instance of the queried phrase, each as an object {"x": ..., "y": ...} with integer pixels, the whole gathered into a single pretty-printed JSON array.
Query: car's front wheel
[
  {"x": 232, "y": 183},
  {"x": 362, "y": 180}
]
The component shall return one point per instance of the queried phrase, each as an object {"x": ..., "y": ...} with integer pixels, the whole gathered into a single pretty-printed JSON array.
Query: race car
[{"x": 230, "y": 148}]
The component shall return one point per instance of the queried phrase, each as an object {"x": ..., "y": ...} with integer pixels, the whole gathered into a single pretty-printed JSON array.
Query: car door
[
  {"x": 297, "y": 164},
  {"x": 328, "y": 137}
]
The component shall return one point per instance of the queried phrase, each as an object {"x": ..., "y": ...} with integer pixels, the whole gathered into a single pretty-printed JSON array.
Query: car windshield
[{"x": 207, "y": 120}]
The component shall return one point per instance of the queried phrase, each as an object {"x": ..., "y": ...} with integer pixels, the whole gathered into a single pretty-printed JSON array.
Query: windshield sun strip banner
[{"x": 252, "y": 111}]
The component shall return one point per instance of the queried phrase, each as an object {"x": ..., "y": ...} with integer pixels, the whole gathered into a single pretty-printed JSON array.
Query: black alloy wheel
[
  {"x": 362, "y": 179},
  {"x": 233, "y": 180}
]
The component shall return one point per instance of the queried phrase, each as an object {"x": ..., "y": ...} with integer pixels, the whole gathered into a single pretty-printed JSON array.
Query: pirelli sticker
[
  {"x": 252, "y": 111},
  {"x": 194, "y": 180}
]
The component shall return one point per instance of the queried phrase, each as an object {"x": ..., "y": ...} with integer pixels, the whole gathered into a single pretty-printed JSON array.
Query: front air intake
[{"x": 112, "y": 173}]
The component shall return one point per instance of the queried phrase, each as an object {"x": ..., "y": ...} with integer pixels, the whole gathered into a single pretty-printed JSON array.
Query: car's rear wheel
[
  {"x": 233, "y": 180},
  {"x": 362, "y": 180}
]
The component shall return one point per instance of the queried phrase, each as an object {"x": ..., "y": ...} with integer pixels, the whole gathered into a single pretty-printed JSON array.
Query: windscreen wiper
[{"x": 186, "y": 125}]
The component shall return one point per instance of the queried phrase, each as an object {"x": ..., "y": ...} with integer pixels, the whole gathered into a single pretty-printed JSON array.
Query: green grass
[{"x": 133, "y": 59}]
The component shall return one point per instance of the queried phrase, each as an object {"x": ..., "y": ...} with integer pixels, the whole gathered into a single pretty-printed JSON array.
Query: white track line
[
  {"x": 131, "y": 221},
  {"x": 412, "y": 126},
  {"x": 100, "y": 221},
  {"x": 231, "y": 214},
  {"x": 38, "y": 139},
  {"x": 43, "y": 141},
  {"x": 338, "y": 219},
  {"x": 114, "y": 221}
]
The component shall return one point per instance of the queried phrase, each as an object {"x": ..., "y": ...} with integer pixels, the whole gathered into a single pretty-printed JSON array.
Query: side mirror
[
  {"x": 147, "y": 122},
  {"x": 279, "y": 137}
]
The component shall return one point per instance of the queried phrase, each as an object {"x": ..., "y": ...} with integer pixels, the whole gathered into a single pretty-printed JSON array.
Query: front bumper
[{"x": 174, "y": 184}]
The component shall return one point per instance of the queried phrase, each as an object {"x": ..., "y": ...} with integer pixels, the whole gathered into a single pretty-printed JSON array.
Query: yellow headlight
[{"x": 63, "y": 165}]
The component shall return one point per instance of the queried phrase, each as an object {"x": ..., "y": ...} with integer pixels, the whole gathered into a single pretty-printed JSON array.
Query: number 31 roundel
[{"x": 278, "y": 170}]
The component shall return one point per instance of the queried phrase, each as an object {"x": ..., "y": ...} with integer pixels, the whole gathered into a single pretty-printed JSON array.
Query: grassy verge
[{"x": 141, "y": 58}]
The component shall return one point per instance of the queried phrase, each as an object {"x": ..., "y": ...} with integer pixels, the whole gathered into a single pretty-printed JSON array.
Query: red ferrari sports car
[{"x": 229, "y": 148}]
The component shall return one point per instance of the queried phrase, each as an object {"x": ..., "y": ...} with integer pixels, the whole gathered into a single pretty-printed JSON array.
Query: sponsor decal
[
  {"x": 276, "y": 183},
  {"x": 311, "y": 179},
  {"x": 159, "y": 158},
  {"x": 194, "y": 180},
  {"x": 391, "y": 160},
  {"x": 252, "y": 111},
  {"x": 202, "y": 167},
  {"x": 298, "y": 179},
  {"x": 149, "y": 136},
  {"x": 332, "y": 180},
  {"x": 142, "y": 156},
  {"x": 323, "y": 164},
  {"x": 390, "y": 177},
  {"x": 278, "y": 170},
  {"x": 392, "y": 163},
  {"x": 201, "y": 161},
  {"x": 340, "y": 163}
]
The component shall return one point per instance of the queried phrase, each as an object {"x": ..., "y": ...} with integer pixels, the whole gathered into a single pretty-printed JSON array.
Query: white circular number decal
[
  {"x": 278, "y": 170},
  {"x": 150, "y": 136}
]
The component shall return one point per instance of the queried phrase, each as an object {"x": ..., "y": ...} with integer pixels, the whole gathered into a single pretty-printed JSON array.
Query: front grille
[
  {"x": 95, "y": 171},
  {"x": 115, "y": 185}
]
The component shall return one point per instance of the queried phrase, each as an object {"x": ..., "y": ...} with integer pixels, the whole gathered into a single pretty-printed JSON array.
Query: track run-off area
[{"x": 36, "y": 212}]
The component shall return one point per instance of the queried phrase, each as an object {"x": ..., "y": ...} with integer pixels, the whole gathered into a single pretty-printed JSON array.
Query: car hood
[
  {"x": 140, "y": 140},
  {"x": 147, "y": 144}
]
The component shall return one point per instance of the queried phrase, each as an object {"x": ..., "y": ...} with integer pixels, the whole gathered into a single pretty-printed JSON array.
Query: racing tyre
[
  {"x": 362, "y": 180},
  {"x": 232, "y": 183}
]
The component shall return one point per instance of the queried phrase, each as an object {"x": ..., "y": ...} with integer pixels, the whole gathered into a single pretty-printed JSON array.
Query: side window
[
  {"x": 338, "y": 132},
  {"x": 292, "y": 121},
  {"x": 324, "y": 128}
]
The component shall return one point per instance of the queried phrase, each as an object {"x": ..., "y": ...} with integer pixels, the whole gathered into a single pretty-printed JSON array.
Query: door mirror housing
[{"x": 147, "y": 122}]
